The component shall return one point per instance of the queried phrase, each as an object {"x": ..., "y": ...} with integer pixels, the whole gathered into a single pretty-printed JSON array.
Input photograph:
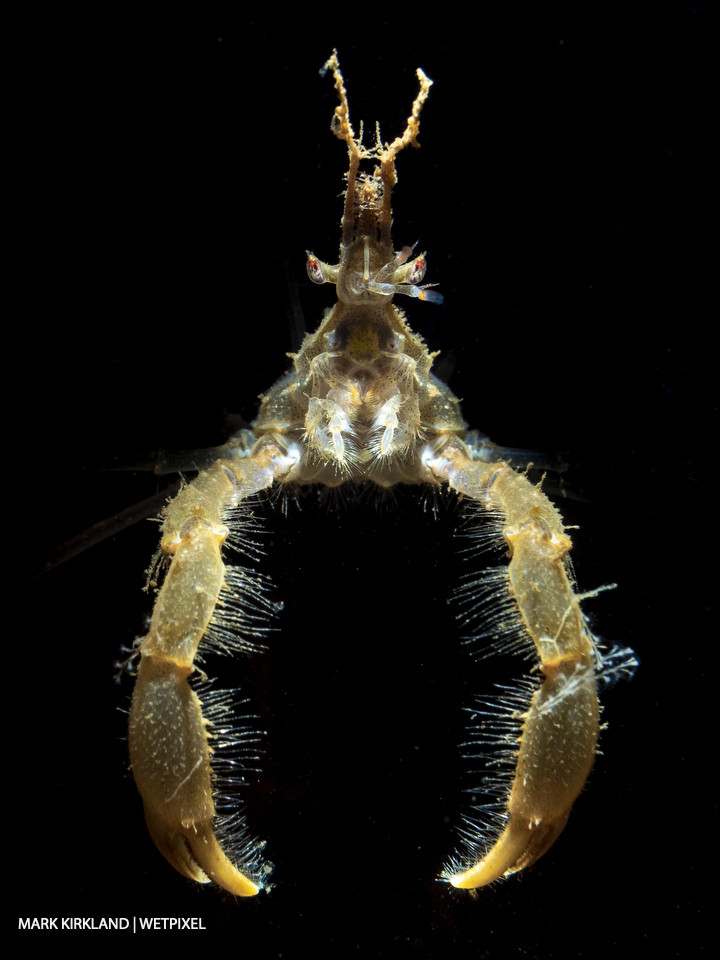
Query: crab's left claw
[{"x": 170, "y": 758}]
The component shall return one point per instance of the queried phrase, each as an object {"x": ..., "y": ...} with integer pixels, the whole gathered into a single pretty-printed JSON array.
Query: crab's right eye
[{"x": 419, "y": 266}]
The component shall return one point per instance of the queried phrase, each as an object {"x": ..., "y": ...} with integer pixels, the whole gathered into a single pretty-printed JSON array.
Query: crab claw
[
  {"x": 557, "y": 749},
  {"x": 194, "y": 851},
  {"x": 170, "y": 757}
]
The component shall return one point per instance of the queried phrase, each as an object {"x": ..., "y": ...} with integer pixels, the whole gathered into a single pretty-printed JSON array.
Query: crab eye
[
  {"x": 315, "y": 270},
  {"x": 418, "y": 270}
]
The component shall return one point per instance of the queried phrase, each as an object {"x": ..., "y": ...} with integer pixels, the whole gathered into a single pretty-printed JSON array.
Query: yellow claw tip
[
  {"x": 212, "y": 862},
  {"x": 518, "y": 846},
  {"x": 195, "y": 853}
]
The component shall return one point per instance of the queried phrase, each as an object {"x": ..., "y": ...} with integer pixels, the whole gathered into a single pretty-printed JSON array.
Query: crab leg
[
  {"x": 560, "y": 728},
  {"x": 170, "y": 752}
]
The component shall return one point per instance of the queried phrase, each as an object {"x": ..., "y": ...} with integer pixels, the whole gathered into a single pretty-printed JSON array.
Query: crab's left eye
[{"x": 315, "y": 270}]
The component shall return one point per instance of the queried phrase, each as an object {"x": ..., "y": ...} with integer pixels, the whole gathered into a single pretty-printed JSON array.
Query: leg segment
[
  {"x": 170, "y": 751},
  {"x": 560, "y": 728}
]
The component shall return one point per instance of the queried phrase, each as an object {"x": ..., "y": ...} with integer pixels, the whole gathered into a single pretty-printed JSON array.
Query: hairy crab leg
[
  {"x": 170, "y": 752},
  {"x": 560, "y": 728}
]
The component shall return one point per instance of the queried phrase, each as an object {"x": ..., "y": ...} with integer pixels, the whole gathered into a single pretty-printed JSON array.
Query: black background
[{"x": 171, "y": 176}]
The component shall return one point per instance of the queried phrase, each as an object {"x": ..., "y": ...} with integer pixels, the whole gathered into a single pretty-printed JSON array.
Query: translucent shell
[{"x": 361, "y": 404}]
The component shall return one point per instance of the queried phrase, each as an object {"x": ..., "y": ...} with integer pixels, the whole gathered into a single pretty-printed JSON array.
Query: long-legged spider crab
[{"x": 360, "y": 405}]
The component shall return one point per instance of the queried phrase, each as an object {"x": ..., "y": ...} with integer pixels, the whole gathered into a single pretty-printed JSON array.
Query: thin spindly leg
[
  {"x": 170, "y": 752},
  {"x": 560, "y": 729}
]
